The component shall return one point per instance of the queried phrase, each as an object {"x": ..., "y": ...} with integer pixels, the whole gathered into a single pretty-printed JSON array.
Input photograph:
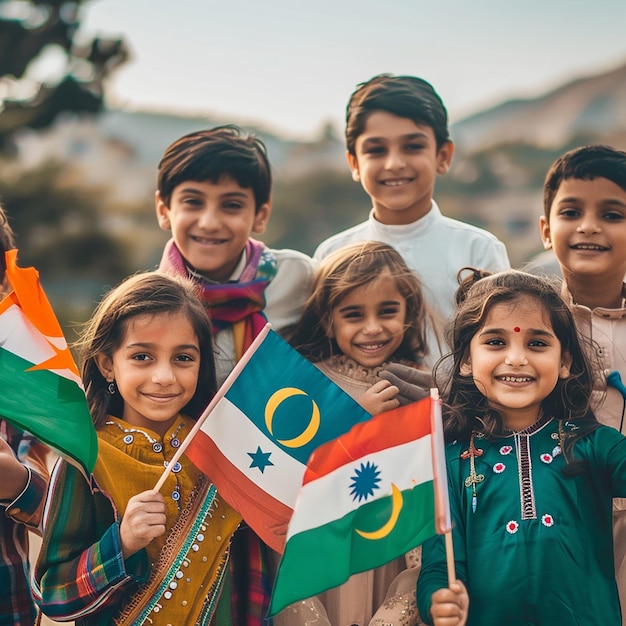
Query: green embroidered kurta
[{"x": 538, "y": 547}]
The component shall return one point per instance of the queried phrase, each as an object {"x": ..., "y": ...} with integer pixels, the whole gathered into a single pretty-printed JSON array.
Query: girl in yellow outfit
[{"x": 115, "y": 550}]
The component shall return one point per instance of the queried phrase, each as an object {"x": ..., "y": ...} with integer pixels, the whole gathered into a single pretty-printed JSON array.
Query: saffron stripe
[
  {"x": 20, "y": 337},
  {"x": 386, "y": 430}
]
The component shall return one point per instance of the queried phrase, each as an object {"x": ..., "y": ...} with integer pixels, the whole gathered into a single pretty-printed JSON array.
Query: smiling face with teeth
[
  {"x": 397, "y": 161},
  {"x": 587, "y": 230},
  {"x": 211, "y": 223},
  {"x": 368, "y": 324},
  {"x": 155, "y": 368},
  {"x": 516, "y": 360}
]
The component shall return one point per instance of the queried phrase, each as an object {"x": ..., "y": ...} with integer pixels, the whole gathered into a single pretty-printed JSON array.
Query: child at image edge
[
  {"x": 397, "y": 143},
  {"x": 366, "y": 310},
  {"x": 214, "y": 192},
  {"x": 115, "y": 550},
  {"x": 531, "y": 472},
  {"x": 22, "y": 490},
  {"x": 584, "y": 222}
]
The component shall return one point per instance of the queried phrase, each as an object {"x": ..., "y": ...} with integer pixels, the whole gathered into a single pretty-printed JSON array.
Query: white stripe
[
  {"x": 235, "y": 435},
  {"x": 328, "y": 498},
  {"x": 19, "y": 336}
]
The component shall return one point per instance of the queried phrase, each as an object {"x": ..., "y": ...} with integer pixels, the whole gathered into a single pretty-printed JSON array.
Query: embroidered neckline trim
[{"x": 532, "y": 429}]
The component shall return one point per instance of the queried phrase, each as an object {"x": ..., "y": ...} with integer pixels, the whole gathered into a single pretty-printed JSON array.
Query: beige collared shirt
[{"x": 605, "y": 332}]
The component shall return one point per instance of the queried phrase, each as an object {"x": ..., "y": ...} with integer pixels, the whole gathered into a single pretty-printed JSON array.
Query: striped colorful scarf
[
  {"x": 235, "y": 304},
  {"x": 239, "y": 305}
]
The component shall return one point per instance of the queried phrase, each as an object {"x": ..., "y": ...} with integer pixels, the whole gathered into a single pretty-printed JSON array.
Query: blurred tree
[
  {"x": 58, "y": 225},
  {"x": 61, "y": 224},
  {"x": 61, "y": 229},
  {"x": 28, "y": 28}
]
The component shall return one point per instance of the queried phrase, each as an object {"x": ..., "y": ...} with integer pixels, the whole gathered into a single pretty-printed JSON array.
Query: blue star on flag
[{"x": 260, "y": 459}]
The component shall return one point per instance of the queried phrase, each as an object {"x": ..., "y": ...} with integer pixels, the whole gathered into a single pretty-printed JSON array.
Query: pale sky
[{"x": 292, "y": 65}]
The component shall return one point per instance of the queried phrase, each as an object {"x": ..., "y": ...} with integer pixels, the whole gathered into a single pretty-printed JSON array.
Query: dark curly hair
[
  {"x": 210, "y": 155},
  {"x": 584, "y": 163},
  {"x": 404, "y": 96},
  {"x": 466, "y": 409},
  {"x": 7, "y": 241}
]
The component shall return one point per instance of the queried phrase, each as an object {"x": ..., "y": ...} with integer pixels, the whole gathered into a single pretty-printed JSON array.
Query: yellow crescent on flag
[
  {"x": 388, "y": 526},
  {"x": 312, "y": 427}
]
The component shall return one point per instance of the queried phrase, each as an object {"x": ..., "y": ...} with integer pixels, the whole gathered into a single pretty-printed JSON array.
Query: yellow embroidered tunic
[
  {"x": 82, "y": 574},
  {"x": 192, "y": 553}
]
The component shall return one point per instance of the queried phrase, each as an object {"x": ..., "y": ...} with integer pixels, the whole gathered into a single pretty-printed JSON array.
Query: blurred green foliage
[
  {"x": 28, "y": 30},
  {"x": 59, "y": 222},
  {"x": 310, "y": 208},
  {"x": 61, "y": 230}
]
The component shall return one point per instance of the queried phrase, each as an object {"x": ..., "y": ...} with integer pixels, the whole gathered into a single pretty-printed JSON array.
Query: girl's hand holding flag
[
  {"x": 144, "y": 519},
  {"x": 449, "y": 606}
]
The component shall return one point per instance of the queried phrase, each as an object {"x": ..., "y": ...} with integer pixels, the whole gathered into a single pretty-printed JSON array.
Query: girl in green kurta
[{"x": 531, "y": 472}]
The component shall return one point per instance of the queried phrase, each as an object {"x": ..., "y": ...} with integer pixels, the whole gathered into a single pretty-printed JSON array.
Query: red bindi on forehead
[{"x": 517, "y": 329}]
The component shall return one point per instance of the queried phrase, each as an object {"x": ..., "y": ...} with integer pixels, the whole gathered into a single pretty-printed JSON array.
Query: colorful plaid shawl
[{"x": 237, "y": 304}]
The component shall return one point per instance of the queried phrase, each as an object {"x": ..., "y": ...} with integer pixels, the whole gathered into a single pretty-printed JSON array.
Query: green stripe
[
  {"x": 324, "y": 557},
  {"x": 51, "y": 407}
]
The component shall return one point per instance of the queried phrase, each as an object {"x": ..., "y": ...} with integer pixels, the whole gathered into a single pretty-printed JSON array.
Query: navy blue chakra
[{"x": 364, "y": 482}]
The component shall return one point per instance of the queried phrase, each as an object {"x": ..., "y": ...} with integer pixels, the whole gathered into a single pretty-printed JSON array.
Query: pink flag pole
[
  {"x": 442, "y": 502},
  {"x": 221, "y": 392},
  {"x": 450, "y": 557}
]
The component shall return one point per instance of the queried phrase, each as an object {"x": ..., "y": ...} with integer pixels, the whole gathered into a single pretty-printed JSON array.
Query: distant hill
[
  {"x": 151, "y": 132},
  {"x": 495, "y": 181},
  {"x": 123, "y": 148},
  {"x": 591, "y": 106}
]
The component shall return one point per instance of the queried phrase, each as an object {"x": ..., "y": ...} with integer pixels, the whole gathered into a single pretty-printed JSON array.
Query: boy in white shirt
[{"x": 397, "y": 143}]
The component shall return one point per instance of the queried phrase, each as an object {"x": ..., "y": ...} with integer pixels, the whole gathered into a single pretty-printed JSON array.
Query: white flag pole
[{"x": 221, "y": 392}]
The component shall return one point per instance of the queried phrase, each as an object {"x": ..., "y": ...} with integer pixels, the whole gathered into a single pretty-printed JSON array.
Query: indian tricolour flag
[
  {"x": 41, "y": 389},
  {"x": 367, "y": 498}
]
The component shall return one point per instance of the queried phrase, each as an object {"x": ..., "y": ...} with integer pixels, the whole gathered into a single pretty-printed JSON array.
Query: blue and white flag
[{"x": 256, "y": 441}]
